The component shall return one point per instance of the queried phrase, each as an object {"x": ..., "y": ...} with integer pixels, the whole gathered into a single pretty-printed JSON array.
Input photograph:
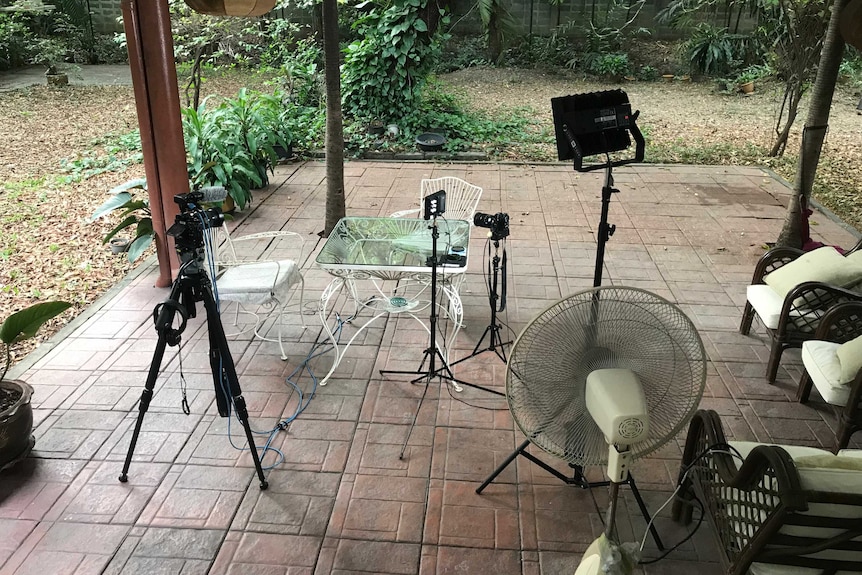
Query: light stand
[
  {"x": 497, "y": 302},
  {"x": 193, "y": 285},
  {"x": 586, "y": 125},
  {"x": 432, "y": 352}
]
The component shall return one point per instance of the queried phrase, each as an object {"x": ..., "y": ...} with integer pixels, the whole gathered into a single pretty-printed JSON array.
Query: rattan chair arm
[
  {"x": 768, "y": 261},
  {"x": 707, "y": 424},
  {"x": 791, "y": 312},
  {"x": 847, "y": 316}
]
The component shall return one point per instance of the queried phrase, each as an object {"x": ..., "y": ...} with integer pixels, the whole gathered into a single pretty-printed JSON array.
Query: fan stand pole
[{"x": 578, "y": 480}]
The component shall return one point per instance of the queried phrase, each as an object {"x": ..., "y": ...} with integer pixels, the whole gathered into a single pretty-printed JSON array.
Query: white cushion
[
  {"x": 258, "y": 283},
  {"x": 766, "y": 302},
  {"x": 823, "y": 264},
  {"x": 850, "y": 453},
  {"x": 821, "y": 361},
  {"x": 850, "y": 357}
]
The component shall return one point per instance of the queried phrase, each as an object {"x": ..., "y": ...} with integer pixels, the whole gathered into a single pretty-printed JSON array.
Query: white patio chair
[
  {"x": 461, "y": 198},
  {"x": 252, "y": 271}
]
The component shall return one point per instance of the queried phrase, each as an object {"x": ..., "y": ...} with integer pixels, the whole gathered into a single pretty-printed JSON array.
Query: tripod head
[{"x": 190, "y": 223}]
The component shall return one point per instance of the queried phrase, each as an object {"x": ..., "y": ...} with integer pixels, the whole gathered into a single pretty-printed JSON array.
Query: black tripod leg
[
  {"x": 503, "y": 466},
  {"x": 645, "y": 512},
  {"x": 224, "y": 374},
  {"x": 415, "y": 416},
  {"x": 144, "y": 402},
  {"x": 164, "y": 318}
]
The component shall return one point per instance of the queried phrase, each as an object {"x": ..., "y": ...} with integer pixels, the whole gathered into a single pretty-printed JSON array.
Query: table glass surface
[{"x": 390, "y": 244}]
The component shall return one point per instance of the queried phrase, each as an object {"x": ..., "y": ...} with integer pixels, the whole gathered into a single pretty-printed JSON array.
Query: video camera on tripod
[{"x": 193, "y": 219}]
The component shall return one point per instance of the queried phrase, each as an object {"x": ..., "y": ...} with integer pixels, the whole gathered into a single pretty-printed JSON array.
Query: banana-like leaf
[
  {"x": 137, "y": 247},
  {"x": 25, "y": 323},
  {"x": 114, "y": 202}
]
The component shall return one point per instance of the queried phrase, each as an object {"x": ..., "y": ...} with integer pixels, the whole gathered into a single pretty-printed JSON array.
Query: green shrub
[
  {"x": 233, "y": 145},
  {"x": 301, "y": 74},
  {"x": 647, "y": 73},
  {"x": 610, "y": 65},
  {"x": 18, "y": 45},
  {"x": 384, "y": 72},
  {"x": 713, "y": 50}
]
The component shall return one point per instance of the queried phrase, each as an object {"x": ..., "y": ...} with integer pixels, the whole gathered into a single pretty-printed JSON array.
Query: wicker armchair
[
  {"x": 845, "y": 322},
  {"x": 801, "y": 310},
  {"x": 781, "y": 510}
]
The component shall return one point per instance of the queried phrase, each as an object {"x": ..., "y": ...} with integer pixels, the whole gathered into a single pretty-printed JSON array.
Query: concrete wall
[{"x": 538, "y": 17}]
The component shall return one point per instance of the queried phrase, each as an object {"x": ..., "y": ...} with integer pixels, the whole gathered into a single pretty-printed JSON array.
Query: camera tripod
[
  {"x": 497, "y": 302},
  {"x": 193, "y": 285}
]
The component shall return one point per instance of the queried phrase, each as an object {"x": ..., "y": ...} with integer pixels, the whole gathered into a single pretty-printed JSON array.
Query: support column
[{"x": 154, "y": 77}]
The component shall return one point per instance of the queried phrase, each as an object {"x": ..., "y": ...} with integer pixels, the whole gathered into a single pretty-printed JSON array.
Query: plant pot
[
  {"x": 282, "y": 152},
  {"x": 667, "y": 77},
  {"x": 58, "y": 79},
  {"x": 747, "y": 87},
  {"x": 430, "y": 142},
  {"x": 375, "y": 129},
  {"x": 119, "y": 245},
  {"x": 228, "y": 206},
  {"x": 16, "y": 422}
]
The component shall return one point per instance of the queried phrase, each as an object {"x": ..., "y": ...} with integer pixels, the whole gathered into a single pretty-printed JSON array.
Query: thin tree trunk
[
  {"x": 792, "y": 97},
  {"x": 334, "y": 128},
  {"x": 815, "y": 128}
]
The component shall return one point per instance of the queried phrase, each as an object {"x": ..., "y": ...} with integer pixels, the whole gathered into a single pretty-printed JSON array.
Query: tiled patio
[{"x": 341, "y": 501}]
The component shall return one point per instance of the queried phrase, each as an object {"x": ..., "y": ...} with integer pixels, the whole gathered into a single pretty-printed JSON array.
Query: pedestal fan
[{"x": 603, "y": 377}]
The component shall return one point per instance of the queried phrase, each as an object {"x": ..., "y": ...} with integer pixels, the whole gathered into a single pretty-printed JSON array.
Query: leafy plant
[
  {"x": 135, "y": 213},
  {"x": 752, "y": 73},
  {"x": 383, "y": 73},
  {"x": 610, "y": 65},
  {"x": 24, "y": 324},
  {"x": 233, "y": 145},
  {"x": 18, "y": 44},
  {"x": 647, "y": 73},
  {"x": 713, "y": 50}
]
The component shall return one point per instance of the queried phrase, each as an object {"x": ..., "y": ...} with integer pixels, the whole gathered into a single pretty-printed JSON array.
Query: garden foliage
[{"x": 384, "y": 71}]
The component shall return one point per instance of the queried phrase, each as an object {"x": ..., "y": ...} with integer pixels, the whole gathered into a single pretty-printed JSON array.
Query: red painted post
[{"x": 154, "y": 78}]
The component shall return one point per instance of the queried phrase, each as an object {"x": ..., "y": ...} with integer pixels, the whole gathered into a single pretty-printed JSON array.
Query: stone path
[{"x": 340, "y": 500}]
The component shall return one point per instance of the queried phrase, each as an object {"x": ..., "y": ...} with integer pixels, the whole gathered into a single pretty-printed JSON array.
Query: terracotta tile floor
[{"x": 340, "y": 500}]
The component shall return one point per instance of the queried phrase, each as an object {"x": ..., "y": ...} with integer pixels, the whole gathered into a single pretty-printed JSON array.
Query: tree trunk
[
  {"x": 792, "y": 97},
  {"x": 495, "y": 35},
  {"x": 334, "y": 128},
  {"x": 815, "y": 128}
]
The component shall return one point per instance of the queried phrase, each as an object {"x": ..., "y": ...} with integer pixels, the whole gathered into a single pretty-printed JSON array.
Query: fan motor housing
[{"x": 616, "y": 402}]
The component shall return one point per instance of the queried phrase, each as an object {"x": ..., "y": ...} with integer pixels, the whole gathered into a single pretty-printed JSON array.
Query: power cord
[{"x": 716, "y": 448}]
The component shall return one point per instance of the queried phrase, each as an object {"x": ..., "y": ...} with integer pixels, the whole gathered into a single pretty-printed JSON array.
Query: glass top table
[{"x": 391, "y": 249}]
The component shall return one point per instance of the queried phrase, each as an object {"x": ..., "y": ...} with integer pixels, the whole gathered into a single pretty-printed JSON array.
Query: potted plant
[
  {"x": 16, "y": 414},
  {"x": 234, "y": 144},
  {"x": 745, "y": 80},
  {"x": 52, "y": 55},
  {"x": 135, "y": 215}
]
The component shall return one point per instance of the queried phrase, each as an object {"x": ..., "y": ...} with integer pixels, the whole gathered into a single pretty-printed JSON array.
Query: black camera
[
  {"x": 498, "y": 224},
  {"x": 193, "y": 219}
]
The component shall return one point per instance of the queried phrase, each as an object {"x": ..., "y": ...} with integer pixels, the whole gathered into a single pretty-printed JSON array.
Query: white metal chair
[
  {"x": 461, "y": 198},
  {"x": 259, "y": 275}
]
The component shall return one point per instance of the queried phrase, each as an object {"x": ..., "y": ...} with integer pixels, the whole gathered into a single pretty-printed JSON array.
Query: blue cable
[{"x": 312, "y": 354}]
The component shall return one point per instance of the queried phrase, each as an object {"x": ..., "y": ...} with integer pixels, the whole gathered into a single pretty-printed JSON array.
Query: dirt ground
[{"x": 50, "y": 250}]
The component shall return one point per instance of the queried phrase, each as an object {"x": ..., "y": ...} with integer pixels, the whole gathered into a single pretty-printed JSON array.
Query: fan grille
[{"x": 606, "y": 327}]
